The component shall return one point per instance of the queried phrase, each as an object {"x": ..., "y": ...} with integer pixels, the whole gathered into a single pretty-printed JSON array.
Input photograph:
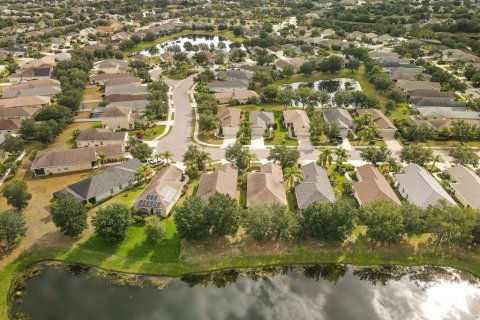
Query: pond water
[
  {"x": 330, "y": 86},
  {"x": 306, "y": 292},
  {"x": 193, "y": 43}
]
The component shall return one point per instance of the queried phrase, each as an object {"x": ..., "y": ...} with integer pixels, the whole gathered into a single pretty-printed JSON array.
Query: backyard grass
[
  {"x": 92, "y": 93},
  {"x": 149, "y": 133}
]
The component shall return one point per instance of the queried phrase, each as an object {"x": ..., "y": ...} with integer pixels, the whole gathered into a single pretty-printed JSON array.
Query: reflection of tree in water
[
  {"x": 218, "y": 279},
  {"x": 306, "y": 85},
  {"x": 328, "y": 272},
  {"x": 380, "y": 275},
  {"x": 78, "y": 270},
  {"x": 329, "y": 85}
]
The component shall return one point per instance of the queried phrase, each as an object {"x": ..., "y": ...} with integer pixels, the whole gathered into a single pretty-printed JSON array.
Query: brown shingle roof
[
  {"x": 116, "y": 112},
  {"x": 379, "y": 118},
  {"x": 229, "y": 117},
  {"x": 222, "y": 180},
  {"x": 72, "y": 156},
  {"x": 266, "y": 186},
  {"x": 373, "y": 186}
]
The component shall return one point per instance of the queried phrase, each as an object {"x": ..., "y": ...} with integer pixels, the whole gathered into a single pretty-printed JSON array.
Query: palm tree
[
  {"x": 342, "y": 156},
  {"x": 292, "y": 173},
  {"x": 393, "y": 164},
  {"x": 245, "y": 127},
  {"x": 167, "y": 155},
  {"x": 368, "y": 133},
  {"x": 436, "y": 159},
  {"x": 102, "y": 158},
  {"x": 143, "y": 172},
  {"x": 326, "y": 157},
  {"x": 157, "y": 156}
]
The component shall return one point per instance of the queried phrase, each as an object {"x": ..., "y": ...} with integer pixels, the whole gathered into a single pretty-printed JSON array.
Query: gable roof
[
  {"x": 338, "y": 116},
  {"x": 298, "y": 118},
  {"x": 101, "y": 134},
  {"x": 25, "y": 101},
  {"x": 261, "y": 118},
  {"x": 115, "y": 112},
  {"x": 379, "y": 118},
  {"x": 9, "y": 124},
  {"x": 72, "y": 156},
  {"x": 466, "y": 184},
  {"x": 161, "y": 191},
  {"x": 408, "y": 85},
  {"x": 315, "y": 186},
  {"x": 229, "y": 117},
  {"x": 234, "y": 83},
  {"x": 372, "y": 186},
  {"x": 102, "y": 182},
  {"x": 222, "y": 180},
  {"x": 18, "y": 112},
  {"x": 419, "y": 186},
  {"x": 266, "y": 186}
]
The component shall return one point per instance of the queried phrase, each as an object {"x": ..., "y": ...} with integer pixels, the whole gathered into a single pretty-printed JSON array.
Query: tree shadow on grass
[
  {"x": 94, "y": 251},
  {"x": 166, "y": 250}
]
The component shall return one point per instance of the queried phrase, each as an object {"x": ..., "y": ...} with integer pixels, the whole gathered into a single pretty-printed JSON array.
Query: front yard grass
[
  {"x": 281, "y": 134},
  {"x": 209, "y": 137},
  {"x": 149, "y": 133}
]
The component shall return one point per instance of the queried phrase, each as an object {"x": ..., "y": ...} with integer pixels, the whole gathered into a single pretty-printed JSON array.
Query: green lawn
[
  {"x": 281, "y": 134},
  {"x": 149, "y": 133}
]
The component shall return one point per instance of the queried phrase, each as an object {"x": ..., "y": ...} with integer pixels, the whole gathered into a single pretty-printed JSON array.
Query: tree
[
  {"x": 288, "y": 157},
  {"x": 13, "y": 144},
  {"x": 112, "y": 222},
  {"x": 326, "y": 157},
  {"x": 167, "y": 156},
  {"x": 222, "y": 215},
  {"x": 415, "y": 153},
  {"x": 265, "y": 222},
  {"x": 352, "y": 64},
  {"x": 451, "y": 224},
  {"x": 155, "y": 229},
  {"x": 190, "y": 219},
  {"x": 375, "y": 155},
  {"x": 196, "y": 156},
  {"x": 143, "y": 172},
  {"x": 17, "y": 195},
  {"x": 69, "y": 216},
  {"x": 292, "y": 173},
  {"x": 307, "y": 68},
  {"x": 237, "y": 31},
  {"x": 12, "y": 229},
  {"x": 329, "y": 221},
  {"x": 102, "y": 158},
  {"x": 464, "y": 155},
  {"x": 238, "y": 155},
  {"x": 141, "y": 151},
  {"x": 368, "y": 132},
  {"x": 384, "y": 221},
  {"x": 342, "y": 156}
]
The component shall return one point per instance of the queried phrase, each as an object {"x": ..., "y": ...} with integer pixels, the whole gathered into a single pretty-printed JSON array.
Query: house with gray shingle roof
[
  {"x": 228, "y": 85},
  {"x": 103, "y": 185},
  {"x": 466, "y": 185},
  {"x": 261, "y": 120},
  {"x": 94, "y": 137},
  {"x": 341, "y": 118},
  {"x": 315, "y": 186},
  {"x": 419, "y": 187}
]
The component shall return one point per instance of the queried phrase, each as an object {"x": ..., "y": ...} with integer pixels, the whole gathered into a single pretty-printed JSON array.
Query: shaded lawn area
[
  {"x": 92, "y": 93},
  {"x": 209, "y": 137},
  {"x": 361, "y": 143},
  {"x": 149, "y": 133}
]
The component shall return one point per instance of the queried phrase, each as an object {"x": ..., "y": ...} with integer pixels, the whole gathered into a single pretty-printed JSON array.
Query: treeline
[
  {"x": 385, "y": 221},
  {"x": 157, "y": 108}
]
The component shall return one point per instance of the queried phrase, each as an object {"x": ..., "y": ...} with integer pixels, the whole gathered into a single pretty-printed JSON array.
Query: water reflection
[{"x": 306, "y": 292}]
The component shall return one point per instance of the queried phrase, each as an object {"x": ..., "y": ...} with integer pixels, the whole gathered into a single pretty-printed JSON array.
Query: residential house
[
  {"x": 42, "y": 87},
  {"x": 297, "y": 123},
  {"x": 32, "y": 102},
  {"x": 101, "y": 78},
  {"x": 123, "y": 81},
  {"x": 112, "y": 66},
  {"x": 387, "y": 129},
  {"x": 66, "y": 161},
  {"x": 408, "y": 85},
  {"x": 117, "y": 118},
  {"x": 384, "y": 39},
  {"x": 282, "y": 65},
  {"x": 166, "y": 56},
  {"x": 162, "y": 192},
  {"x": 457, "y": 54},
  {"x": 228, "y": 85},
  {"x": 98, "y": 137},
  {"x": 341, "y": 118},
  {"x": 129, "y": 88},
  {"x": 266, "y": 186},
  {"x": 419, "y": 187},
  {"x": 41, "y": 72},
  {"x": 430, "y": 93},
  {"x": 9, "y": 126},
  {"x": 261, "y": 121},
  {"x": 229, "y": 122},
  {"x": 327, "y": 33},
  {"x": 466, "y": 185},
  {"x": 17, "y": 113},
  {"x": 223, "y": 180},
  {"x": 448, "y": 113},
  {"x": 235, "y": 74},
  {"x": 372, "y": 186},
  {"x": 104, "y": 185},
  {"x": 315, "y": 186},
  {"x": 240, "y": 96}
]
